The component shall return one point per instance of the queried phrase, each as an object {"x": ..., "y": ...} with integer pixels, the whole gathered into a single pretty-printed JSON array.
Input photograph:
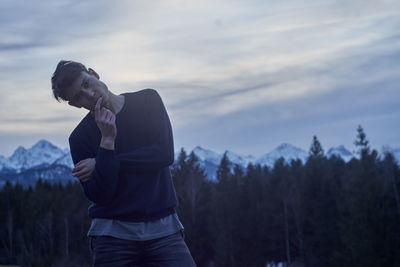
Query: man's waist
[{"x": 130, "y": 215}]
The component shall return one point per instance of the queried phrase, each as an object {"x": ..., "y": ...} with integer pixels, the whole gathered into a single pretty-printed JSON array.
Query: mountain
[
  {"x": 286, "y": 151},
  {"x": 47, "y": 161},
  {"x": 341, "y": 152},
  {"x": 65, "y": 160},
  {"x": 43, "y": 160},
  {"x": 215, "y": 158},
  {"x": 394, "y": 152},
  {"x": 240, "y": 160},
  {"x": 43, "y": 152},
  {"x": 3, "y": 162},
  {"x": 208, "y": 160},
  {"x": 53, "y": 174},
  {"x": 207, "y": 155}
]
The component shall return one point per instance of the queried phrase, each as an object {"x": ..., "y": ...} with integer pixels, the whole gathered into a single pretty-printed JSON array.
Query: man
[{"x": 122, "y": 150}]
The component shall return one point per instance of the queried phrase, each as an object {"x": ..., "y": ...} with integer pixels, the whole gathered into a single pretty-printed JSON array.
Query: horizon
[
  {"x": 238, "y": 76},
  {"x": 188, "y": 150}
]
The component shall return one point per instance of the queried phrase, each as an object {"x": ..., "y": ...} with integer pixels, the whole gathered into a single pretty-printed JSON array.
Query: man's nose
[{"x": 89, "y": 93}]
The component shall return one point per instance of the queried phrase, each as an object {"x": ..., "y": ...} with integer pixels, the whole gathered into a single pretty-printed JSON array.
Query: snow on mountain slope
[
  {"x": 65, "y": 160},
  {"x": 18, "y": 158},
  {"x": 207, "y": 155},
  {"x": 341, "y": 152},
  {"x": 210, "y": 160},
  {"x": 215, "y": 158},
  {"x": 43, "y": 152},
  {"x": 396, "y": 154},
  {"x": 52, "y": 174},
  {"x": 240, "y": 160},
  {"x": 3, "y": 162},
  {"x": 287, "y": 151}
]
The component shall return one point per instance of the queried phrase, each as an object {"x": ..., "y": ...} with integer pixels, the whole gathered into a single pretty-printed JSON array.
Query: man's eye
[{"x": 86, "y": 84}]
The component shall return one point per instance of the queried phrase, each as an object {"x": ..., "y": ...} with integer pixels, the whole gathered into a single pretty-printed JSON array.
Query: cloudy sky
[{"x": 239, "y": 75}]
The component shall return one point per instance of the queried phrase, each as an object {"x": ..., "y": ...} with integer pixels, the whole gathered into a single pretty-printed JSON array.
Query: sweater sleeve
[
  {"x": 158, "y": 152},
  {"x": 101, "y": 187}
]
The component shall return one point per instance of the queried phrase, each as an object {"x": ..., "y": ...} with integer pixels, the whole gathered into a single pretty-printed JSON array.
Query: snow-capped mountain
[
  {"x": 210, "y": 160},
  {"x": 287, "y": 151},
  {"x": 207, "y": 155},
  {"x": 396, "y": 154},
  {"x": 341, "y": 152},
  {"x": 43, "y": 160},
  {"x": 240, "y": 160},
  {"x": 43, "y": 152},
  {"x": 49, "y": 162},
  {"x": 3, "y": 162},
  {"x": 53, "y": 174},
  {"x": 65, "y": 160},
  {"x": 215, "y": 158}
]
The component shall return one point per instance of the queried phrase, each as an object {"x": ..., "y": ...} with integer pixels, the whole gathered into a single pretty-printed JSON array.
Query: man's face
[{"x": 86, "y": 90}]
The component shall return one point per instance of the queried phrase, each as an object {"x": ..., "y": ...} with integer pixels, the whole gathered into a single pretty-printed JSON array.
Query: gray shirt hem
[{"x": 137, "y": 231}]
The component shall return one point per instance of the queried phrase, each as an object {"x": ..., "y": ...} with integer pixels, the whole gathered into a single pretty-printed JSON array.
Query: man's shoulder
[
  {"x": 81, "y": 127},
  {"x": 142, "y": 92},
  {"x": 142, "y": 98}
]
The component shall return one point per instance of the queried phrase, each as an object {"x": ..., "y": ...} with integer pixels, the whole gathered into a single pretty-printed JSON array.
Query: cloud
[{"x": 243, "y": 65}]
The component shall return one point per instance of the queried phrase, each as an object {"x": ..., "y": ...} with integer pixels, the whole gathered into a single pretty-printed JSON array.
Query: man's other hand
[{"x": 83, "y": 169}]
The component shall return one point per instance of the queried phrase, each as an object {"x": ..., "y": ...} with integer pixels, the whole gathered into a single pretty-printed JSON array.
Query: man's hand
[
  {"x": 105, "y": 120},
  {"x": 83, "y": 169}
]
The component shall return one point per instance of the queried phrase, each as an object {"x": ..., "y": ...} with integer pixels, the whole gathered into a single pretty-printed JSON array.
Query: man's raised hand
[
  {"x": 105, "y": 120},
  {"x": 83, "y": 169}
]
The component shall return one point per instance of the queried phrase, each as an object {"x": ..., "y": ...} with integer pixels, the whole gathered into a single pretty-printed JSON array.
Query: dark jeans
[{"x": 166, "y": 251}]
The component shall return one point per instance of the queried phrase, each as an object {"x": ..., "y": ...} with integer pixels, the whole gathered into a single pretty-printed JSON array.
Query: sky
[{"x": 243, "y": 76}]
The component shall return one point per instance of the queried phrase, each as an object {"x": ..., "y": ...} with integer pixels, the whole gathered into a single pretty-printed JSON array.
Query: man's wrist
[{"x": 107, "y": 143}]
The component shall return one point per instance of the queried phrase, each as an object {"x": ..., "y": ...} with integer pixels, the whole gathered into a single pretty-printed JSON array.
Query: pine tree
[
  {"x": 194, "y": 194},
  {"x": 223, "y": 170},
  {"x": 225, "y": 246},
  {"x": 361, "y": 141},
  {"x": 361, "y": 208},
  {"x": 368, "y": 158},
  {"x": 316, "y": 149},
  {"x": 252, "y": 213}
]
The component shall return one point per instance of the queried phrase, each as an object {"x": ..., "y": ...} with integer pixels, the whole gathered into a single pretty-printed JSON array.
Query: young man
[{"x": 122, "y": 150}]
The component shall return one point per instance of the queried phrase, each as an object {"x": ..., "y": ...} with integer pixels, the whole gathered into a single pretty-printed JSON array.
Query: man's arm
[
  {"x": 101, "y": 186},
  {"x": 159, "y": 150}
]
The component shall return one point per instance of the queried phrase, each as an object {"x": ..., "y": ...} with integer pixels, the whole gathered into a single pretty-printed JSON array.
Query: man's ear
[{"x": 92, "y": 72}]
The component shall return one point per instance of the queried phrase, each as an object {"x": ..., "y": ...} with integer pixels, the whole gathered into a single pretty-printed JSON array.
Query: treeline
[
  {"x": 44, "y": 226},
  {"x": 324, "y": 212}
]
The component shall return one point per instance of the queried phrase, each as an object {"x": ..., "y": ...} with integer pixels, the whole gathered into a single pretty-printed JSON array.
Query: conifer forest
[{"x": 324, "y": 212}]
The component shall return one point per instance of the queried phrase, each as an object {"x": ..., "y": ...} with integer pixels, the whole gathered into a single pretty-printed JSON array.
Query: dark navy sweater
[{"x": 132, "y": 182}]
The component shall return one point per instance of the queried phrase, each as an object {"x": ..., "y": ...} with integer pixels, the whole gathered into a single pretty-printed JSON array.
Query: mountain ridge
[{"x": 42, "y": 156}]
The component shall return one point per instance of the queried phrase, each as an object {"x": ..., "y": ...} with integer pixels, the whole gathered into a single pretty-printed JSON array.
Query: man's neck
[{"x": 115, "y": 102}]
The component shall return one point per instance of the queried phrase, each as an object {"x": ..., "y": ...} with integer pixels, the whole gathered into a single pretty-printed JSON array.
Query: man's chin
[{"x": 90, "y": 108}]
